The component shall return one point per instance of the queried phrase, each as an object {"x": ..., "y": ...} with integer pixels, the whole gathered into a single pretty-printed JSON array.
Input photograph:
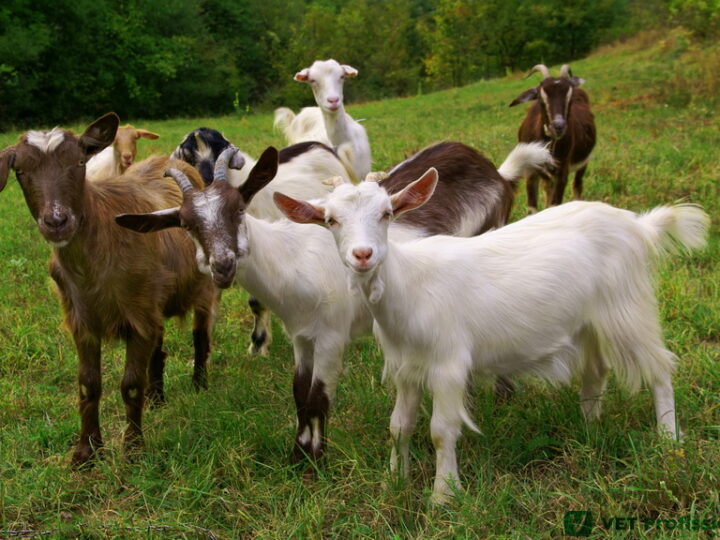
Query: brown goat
[
  {"x": 112, "y": 282},
  {"x": 115, "y": 159},
  {"x": 560, "y": 117}
]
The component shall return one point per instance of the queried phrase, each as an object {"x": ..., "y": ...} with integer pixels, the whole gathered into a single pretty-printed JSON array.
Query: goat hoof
[
  {"x": 504, "y": 390},
  {"x": 200, "y": 382},
  {"x": 259, "y": 345},
  {"x": 155, "y": 398},
  {"x": 83, "y": 456}
]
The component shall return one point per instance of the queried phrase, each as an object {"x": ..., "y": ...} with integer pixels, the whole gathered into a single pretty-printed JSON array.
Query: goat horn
[
  {"x": 541, "y": 68},
  {"x": 181, "y": 179},
  {"x": 565, "y": 71},
  {"x": 222, "y": 162},
  {"x": 334, "y": 181}
]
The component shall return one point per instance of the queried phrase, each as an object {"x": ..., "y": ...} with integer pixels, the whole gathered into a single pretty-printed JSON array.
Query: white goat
[
  {"x": 115, "y": 159},
  {"x": 296, "y": 272},
  {"x": 328, "y": 122},
  {"x": 566, "y": 290}
]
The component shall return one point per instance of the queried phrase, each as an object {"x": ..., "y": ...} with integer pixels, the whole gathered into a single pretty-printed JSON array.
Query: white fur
[
  {"x": 568, "y": 290},
  {"x": 46, "y": 141},
  {"x": 326, "y": 79},
  {"x": 302, "y": 177},
  {"x": 103, "y": 165}
]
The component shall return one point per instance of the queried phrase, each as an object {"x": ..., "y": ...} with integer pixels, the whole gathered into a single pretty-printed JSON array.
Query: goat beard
[{"x": 370, "y": 286}]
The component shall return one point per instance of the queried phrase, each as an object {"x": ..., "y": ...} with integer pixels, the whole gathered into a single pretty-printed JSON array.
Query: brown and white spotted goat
[
  {"x": 295, "y": 271},
  {"x": 560, "y": 117},
  {"x": 112, "y": 283}
]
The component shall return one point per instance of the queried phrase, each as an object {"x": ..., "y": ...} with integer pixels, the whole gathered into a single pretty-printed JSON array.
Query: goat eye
[
  {"x": 387, "y": 215},
  {"x": 331, "y": 221},
  {"x": 81, "y": 163}
]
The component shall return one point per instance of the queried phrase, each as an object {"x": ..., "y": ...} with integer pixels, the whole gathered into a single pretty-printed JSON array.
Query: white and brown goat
[
  {"x": 560, "y": 117},
  {"x": 112, "y": 283},
  {"x": 296, "y": 272}
]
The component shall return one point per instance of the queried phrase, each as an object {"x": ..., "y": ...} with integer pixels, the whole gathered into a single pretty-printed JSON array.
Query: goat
[
  {"x": 112, "y": 283},
  {"x": 566, "y": 290},
  {"x": 562, "y": 118},
  {"x": 302, "y": 168},
  {"x": 114, "y": 160},
  {"x": 296, "y": 272},
  {"x": 326, "y": 78}
]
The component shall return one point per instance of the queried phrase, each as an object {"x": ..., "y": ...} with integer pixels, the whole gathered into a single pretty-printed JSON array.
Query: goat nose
[
  {"x": 127, "y": 157},
  {"x": 559, "y": 124},
  {"x": 333, "y": 100},
  {"x": 55, "y": 220},
  {"x": 362, "y": 254}
]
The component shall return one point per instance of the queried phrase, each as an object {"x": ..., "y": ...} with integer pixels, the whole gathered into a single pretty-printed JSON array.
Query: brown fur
[
  {"x": 466, "y": 179},
  {"x": 573, "y": 147},
  {"x": 112, "y": 282}
]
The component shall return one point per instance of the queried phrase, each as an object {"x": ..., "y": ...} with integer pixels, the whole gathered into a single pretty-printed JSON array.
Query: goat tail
[
  {"x": 526, "y": 159},
  {"x": 346, "y": 155},
  {"x": 283, "y": 117},
  {"x": 667, "y": 228}
]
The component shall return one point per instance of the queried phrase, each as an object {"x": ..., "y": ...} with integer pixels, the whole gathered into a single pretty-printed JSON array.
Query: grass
[{"x": 216, "y": 462}]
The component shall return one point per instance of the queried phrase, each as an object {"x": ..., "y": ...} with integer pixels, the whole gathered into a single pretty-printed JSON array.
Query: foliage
[{"x": 63, "y": 60}]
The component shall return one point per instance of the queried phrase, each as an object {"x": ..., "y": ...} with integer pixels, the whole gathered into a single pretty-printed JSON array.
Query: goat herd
[{"x": 565, "y": 291}]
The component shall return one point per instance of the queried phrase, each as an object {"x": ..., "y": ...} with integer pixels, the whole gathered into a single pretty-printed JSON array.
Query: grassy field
[{"x": 216, "y": 462}]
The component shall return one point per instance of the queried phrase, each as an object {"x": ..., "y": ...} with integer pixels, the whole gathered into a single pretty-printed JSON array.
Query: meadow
[{"x": 216, "y": 463}]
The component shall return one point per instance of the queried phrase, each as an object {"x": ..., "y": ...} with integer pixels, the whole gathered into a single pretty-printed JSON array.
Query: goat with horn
[{"x": 560, "y": 117}]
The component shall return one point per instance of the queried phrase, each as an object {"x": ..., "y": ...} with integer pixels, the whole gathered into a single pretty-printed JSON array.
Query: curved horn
[
  {"x": 565, "y": 71},
  {"x": 222, "y": 163},
  {"x": 334, "y": 181},
  {"x": 540, "y": 68},
  {"x": 181, "y": 179}
]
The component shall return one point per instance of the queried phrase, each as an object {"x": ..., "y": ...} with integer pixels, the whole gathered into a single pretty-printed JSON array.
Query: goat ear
[
  {"x": 264, "y": 170},
  {"x": 349, "y": 70},
  {"x": 154, "y": 221},
  {"x": 7, "y": 160},
  {"x": 299, "y": 211},
  {"x": 527, "y": 95},
  {"x": 303, "y": 75},
  {"x": 145, "y": 134},
  {"x": 415, "y": 194},
  {"x": 100, "y": 134},
  {"x": 576, "y": 81}
]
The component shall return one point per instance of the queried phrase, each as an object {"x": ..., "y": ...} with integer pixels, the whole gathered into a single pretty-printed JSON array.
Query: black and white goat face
[
  {"x": 214, "y": 217},
  {"x": 201, "y": 149},
  {"x": 358, "y": 215}
]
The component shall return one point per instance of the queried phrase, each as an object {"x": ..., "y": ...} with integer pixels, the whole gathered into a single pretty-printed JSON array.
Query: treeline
[{"x": 61, "y": 60}]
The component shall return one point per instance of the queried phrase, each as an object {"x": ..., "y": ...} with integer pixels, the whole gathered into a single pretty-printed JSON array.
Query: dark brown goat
[
  {"x": 560, "y": 117},
  {"x": 113, "y": 283},
  {"x": 469, "y": 181}
]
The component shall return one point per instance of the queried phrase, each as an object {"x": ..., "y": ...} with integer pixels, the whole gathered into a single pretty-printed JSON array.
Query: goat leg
[
  {"x": 90, "y": 387},
  {"x": 262, "y": 330},
  {"x": 201, "y": 342},
  {"x": 578, "y": 183},
  {"x": 560, "y": 181},
  {"x": 139, "y": 349},
  {"x": 155, "y": 389}
]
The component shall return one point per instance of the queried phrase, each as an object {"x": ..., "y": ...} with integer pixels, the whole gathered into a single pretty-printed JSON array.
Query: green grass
[{"x": 218, "y": 460}]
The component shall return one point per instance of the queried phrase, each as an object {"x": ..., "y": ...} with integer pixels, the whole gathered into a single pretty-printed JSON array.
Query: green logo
[{"x": 578, "y": 523}]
